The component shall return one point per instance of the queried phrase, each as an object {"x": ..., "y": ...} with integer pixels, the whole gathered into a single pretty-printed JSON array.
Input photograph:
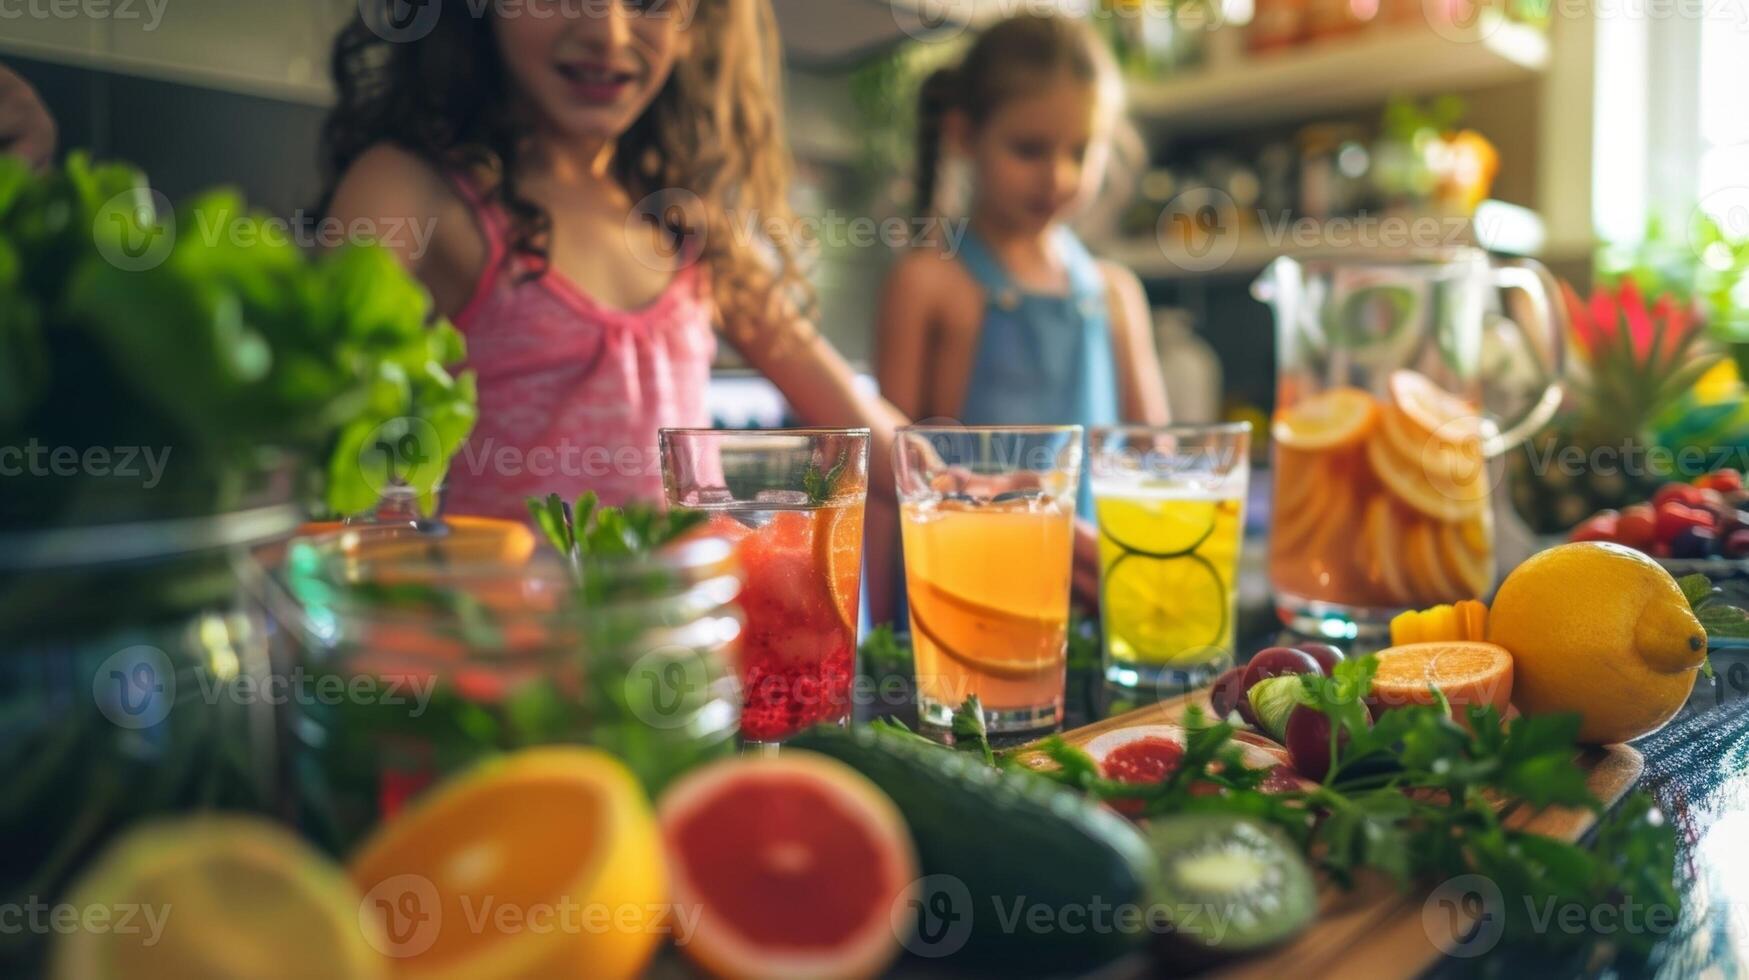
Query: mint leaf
[
  {"x": 1697, "y": 589},
  {"x": 822, "y": 487}
]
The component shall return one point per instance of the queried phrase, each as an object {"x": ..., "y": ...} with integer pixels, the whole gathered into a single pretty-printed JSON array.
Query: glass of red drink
[{"x": 792, "y": 502}]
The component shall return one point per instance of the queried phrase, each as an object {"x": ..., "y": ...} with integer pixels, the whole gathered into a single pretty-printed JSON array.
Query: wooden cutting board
[{"x": 1377, "y": 930}]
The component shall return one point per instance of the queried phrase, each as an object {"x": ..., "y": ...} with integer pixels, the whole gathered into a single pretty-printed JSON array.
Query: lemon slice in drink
[
  {"x": 1166, "y": 610},
  {"x": 216, "y": 897},
  {"x": 1158, "y": 528}
]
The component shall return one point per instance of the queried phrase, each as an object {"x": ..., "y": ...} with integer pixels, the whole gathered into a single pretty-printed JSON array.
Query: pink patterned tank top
[{"x": 572, "y": 392}]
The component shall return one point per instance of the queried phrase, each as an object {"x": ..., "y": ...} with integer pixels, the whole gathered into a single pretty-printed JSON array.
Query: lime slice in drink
[
  {"x": 1166, "y": 610},
  {"x": 1156, "y": 528},
  {"x": 215, "y": 897}
]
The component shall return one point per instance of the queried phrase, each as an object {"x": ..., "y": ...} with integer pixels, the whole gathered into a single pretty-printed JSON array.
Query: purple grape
[
  {"x": 1272, "y": 662},
  {"x": 1692, "y": 542},
  {"x": 1308, "y": 742},
  {"x": 1326, "y": 655},
  {"x": 1227, "y": 692}
]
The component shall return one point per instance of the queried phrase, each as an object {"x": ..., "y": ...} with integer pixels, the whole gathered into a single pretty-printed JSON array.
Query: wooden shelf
[{"x": 1342, "y": 73}]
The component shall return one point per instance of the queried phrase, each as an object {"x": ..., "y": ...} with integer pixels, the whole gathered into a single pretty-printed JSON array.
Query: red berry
[
  {"x": 1672, "y": 517},
  {"x": 1601, "y": 526},
  {"x": 1724, "y": 481},
  {"x": 1638, "y": 527},
  {"x": 1679, "y": 492}
]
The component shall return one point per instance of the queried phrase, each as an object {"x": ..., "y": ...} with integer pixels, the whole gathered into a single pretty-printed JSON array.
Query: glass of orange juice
[{"x": 987, "y": 517}]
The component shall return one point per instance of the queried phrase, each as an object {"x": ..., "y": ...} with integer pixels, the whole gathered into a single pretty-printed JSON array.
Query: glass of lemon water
[{"x": 1170, "y": 504}]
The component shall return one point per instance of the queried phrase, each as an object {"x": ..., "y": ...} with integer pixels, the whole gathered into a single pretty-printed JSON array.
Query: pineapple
[{"x": 1630, "y": 364}]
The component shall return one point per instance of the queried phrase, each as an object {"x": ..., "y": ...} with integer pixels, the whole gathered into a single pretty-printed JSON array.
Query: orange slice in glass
[
  {"x": 1329, "y": 420},
  {"x": 1432, "y": 409},
  {"x": 1473, "y": 571},
  {"x": 1005, "y": 644},
  {"x": 1408, "y": 481},
  {"x": 838, "y": 555},
  {"x": 1466, "y": 673}
]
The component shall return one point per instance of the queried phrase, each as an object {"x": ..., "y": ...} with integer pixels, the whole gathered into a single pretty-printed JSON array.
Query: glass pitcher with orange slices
[
  {"x": 1383, "y": 441},
  {"x": 791, "y": 501}
]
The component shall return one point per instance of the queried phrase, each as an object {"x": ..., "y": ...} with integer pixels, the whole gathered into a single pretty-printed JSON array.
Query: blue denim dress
[{"x": 1043, "y": 359}]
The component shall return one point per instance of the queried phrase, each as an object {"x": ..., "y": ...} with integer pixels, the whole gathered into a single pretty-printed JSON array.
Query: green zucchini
[{"x": 1019, "y": 873}]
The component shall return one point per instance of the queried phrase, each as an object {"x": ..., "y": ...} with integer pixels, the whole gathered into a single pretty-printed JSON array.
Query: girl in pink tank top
[
  {"x": 583, "y": 176},
  {"x": 572, "y": 392}
]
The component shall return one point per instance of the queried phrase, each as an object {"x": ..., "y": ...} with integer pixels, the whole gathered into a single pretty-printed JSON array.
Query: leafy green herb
[
  {"x": 1721, "y": 621},
  {"x": 235, "y": 355},
  {"x": 822, "y": 487},
  {"x": 883, "y": 654},
  {"x": 968, "y": 729},
  {"x": 1412, "y": 796}
]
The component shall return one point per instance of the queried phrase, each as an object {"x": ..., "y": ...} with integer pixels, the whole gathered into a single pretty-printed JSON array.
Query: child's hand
[
  {"x": 1085, "y": 578},
  {"x": 26, "y": 128}
]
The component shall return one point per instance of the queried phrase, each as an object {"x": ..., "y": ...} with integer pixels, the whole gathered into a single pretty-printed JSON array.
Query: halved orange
[
  {"x": 1337, "y": 417},
  {"x": 793, "y": 866},
  {"x": 1467, "y": 673},
  {"x": 1437, "y": 412},
  {"x": 838, "y": 555},
  {"x": 473, "y": 880}
]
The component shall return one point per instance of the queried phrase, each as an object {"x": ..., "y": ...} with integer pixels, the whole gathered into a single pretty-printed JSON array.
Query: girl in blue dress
[
  {"x": 1015, "y": 323},
  {"x": 1019, "y": 324}
]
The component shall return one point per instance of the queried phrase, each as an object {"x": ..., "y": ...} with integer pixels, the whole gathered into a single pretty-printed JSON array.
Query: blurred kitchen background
[{"x": 1596, "y": 142}]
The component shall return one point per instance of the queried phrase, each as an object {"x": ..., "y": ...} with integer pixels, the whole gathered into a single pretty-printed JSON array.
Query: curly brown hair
[{"x": 715, "y": 131}]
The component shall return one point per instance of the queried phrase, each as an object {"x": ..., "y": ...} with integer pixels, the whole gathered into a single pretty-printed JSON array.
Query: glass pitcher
[{"x": 1382, "y": 439}]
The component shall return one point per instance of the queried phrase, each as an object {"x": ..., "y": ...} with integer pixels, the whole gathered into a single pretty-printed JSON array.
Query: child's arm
[
  {"x": 902, "y": 333},
  {"x": 1142, "y": 390},
  {"x": 817, "y": 381},
  {"x": 406, "y": 206}
]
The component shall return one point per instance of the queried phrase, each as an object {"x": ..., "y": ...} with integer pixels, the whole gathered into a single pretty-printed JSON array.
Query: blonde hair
[{"x": 1016, "y": 58}]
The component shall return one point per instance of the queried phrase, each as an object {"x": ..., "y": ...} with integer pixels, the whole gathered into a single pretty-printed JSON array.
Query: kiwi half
[{"x": 1230, "y": 885}]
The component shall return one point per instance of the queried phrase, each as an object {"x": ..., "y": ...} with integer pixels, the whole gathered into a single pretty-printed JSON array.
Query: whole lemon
[{"x": 1602, "y": 631}]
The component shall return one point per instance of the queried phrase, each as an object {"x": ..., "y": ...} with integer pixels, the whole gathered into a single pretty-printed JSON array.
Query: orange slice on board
[
  {"x": 536, "y": 829},
  {"x": 1337, "y": 417},
  {"x": 838, "y": 554},
  {"x": 1466, "y": 673}
]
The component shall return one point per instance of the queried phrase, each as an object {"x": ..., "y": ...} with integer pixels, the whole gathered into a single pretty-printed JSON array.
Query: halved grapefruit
[{"x": 794, "y": 864}]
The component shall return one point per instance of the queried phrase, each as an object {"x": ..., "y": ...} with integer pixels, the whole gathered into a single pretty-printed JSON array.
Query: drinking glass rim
[
  {"x": 1019, "y": 430},
  {"x": 1175, "y": 429},
  {"x": 805, "y": 431}
]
